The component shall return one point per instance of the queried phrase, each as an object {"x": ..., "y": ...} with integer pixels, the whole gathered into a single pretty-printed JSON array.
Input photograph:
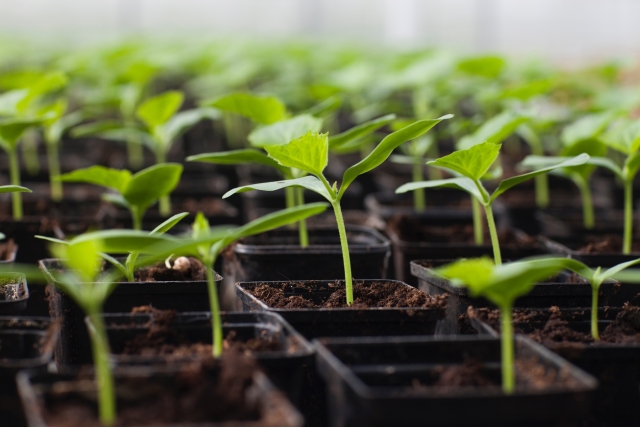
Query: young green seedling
[
  {"x": 136, "y": 192},
  {"x": 12, "y": 189},
  {"x": 206, "y": 244},
  {"x": 472, "y": 166},
  {"x": 310, "y": 153},
  {"x": 502, "y": 285}
]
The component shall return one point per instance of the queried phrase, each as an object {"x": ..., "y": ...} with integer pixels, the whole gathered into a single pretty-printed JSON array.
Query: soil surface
[
  {"x": 412, "y": 229},
  {"x": 376, "y": 294},
  {"x": 11, "y": 281},
  {"x": 163, "y": 339},
  {"x": 7, "y": 250},
  {"x": 212, "y": 390},
  {"x": 181, "y": 271},
  {"x": 610, "y": 243}
]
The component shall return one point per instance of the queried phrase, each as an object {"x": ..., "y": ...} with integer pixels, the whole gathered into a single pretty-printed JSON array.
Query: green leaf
[
  {"x": 121, "y": 241},
  {"x": 473, "y": 162},
  {"x": 587, "y": 127},
  {"x": 152, "y": 183},
  {"x": 489, "y": 66},
  {"x": 259, "y": 108},
  {"x": 385, "y": 148},
  {"x": 181, "y": 122},
  {"x": 100, "y": 175},
  {"x": 9, "y": 101},
  {"x": 309, "y": 153},
  {"x": 618, "y": 268},
  {"x": 95, "y": 128},
  {"x": 624, "y": 137},
  {"x": 528, "y": 90},
  {"x": 631, "y": 165},
  {"x": 82, "y": 257},
  {"x": 592, "y": 147},
  {"x": 284, "y": 131},
  {"x": 512, "y": 182},
  {"x": 237, "y": 157},
  {"x": 461, "y": 183},
  {"x": 11, "y": 130},
  {"x": 360, "y": 131},
  {"x": 169, "y": 224},
  {"x": 495, "y": 130},
  {"x": 627, "y": 276},
  {"x": 309, "y": 182},
  {"x": 159, "y": 109},
  {"x": 14, "y": 189},
  {"x": 326, "y": 107}
]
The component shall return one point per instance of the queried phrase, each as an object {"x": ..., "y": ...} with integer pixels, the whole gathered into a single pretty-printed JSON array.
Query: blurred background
[{"x": 572, "y": 32}]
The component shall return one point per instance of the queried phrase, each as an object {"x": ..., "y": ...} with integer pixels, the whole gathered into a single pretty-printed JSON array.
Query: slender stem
[
  {"x": 30, "y": 152},
  {"x": 478, "y": 232},
  {"x": 588, "y": 216},
  {"x": 302, "y": 225},
  {"x": 290, "y": 200},
  {"x": 104, "y": 377},
  {"x": 506, "y": 342},
  {"x": 53, "y": 158},
  {"x": 497, "y": 257},
  {"x": 628, "y": 216},
  {"x": 419, "y": 197},
  {"x": 14, "y": 170},
  {"x": 135, "y": 152},
  {"x": 434, "y": 152},
  {"x": 542, "y": 190},
  {"x": 214, "y": 304},
  {"x": 165, "y": 201},
  {"x": 594, "y": 311},
  {"x": 136, "y": 217},
  {"x": 345, "y": 251}
]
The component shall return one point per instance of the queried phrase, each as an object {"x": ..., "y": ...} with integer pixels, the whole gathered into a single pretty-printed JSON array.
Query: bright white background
[{"x": 569, "y": 31}]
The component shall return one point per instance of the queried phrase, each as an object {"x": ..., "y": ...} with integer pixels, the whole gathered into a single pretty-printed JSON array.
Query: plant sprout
[
  {"x": 310, "y": 153},
  {"x": 502, "y": 285},
  {"x": 12, "y": 189},
  {"x": 472, "y": 166},
  {"x": 136, "y": 192}
]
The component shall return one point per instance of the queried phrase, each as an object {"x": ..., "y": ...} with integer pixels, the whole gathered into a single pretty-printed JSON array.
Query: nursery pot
[
  {"x": 153, "y": 391},
  {"x": 14, "y": 294},
  {"x": 73, "y": 349},
  {"x": 440, "y": 203},
  {"x": 277, "y": 255},
  {"x": 616, "y": 366},
  {"x": 562, "y": 291},
  {"x": 393, "y": 381}
]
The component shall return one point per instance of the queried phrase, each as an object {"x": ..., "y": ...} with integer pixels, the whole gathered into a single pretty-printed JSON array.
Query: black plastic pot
[
  {"x": 441, "y": 203},
  {"x": 616, "y": 366},
  {"x": 562, "y": 293},
  {"x": 568, "y": 222},
  {"x": 15, "y": 296},
  {"x": 72, "y": 348},
  {"x": 25, "y": 343},
  {"x": 277, "y": 255},
  {"x": 388, "y": 382},
  {"x": 140, "y": 384}
]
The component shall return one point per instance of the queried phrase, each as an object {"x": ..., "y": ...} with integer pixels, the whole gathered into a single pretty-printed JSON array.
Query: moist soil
[
  {"x": 610, "y": 243},
  {"x": 193, "y": 271},
  {"x": 376, "y": 294},
  {"x": 7, "y": 250},
  {"x": 11, "y": 281},
  {"x": 214, "y": 389},
  {"x": 412, "y": 229},
  {"x": 162, "y": 339}
]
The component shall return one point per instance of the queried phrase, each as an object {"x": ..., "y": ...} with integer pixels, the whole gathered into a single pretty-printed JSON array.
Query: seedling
[
  {"x": 472, "y": 166},
  {"x": 206, "y": 244},
  {"x": 136, "y": 192},
  {"x": 502, "y": 285},
  {"x": 310, "y": 153},
  {"x": 12, "y": 189}
]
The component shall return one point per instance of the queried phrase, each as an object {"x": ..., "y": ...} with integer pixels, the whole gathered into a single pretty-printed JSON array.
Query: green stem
[
  {"x": 434, "y": 153},
  {"x": 290, "y": 200},
  {"x": 136, "y": 217},
  {"x": 628, "y": 216},
  {"x": 214, "y": 304},
  {"x": 165, "y": 201},
  {"x": 542, "y": 190},
  {"x": 497, "y": 257},
  {"x": 478, "y": 232},
  {"x": 53, "y": 158},
  {"x": 104, "y": 377},
  {"x": 30, "y": 152},
  {"x": 302, "y": 225},
  {"x": 345, "y": 251},
  {"x": 588, "y": 216},
  {"x": 594, "y": 312},
  {"x": 14, "y": 170},
  {"x": 506, "y": 342},
  {"x": 135, "y": 152},
  {"x": 419, "y": 197}
]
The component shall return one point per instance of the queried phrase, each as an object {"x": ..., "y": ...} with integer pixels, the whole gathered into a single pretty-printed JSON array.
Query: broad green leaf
[
  {"x": 11, "y": 130},
  {"x": 100, "y": 175},
  {"x": 309, "y": 153},
  {"x": 587, "y": 127},
  {"x": 461, "y": 183},
  {"x": 46, "y": 83},
  {"x": 95, "y": 128},
  {"x": 489, "y": 66},
  {"x": 618, "y": 268},
  {"x": 120, "y": 241},
  {"x": 82, "y": 257},
  {"x": 512, "y": 182},
  {"x": 259, "y": 108},
  {"x": 473, "y": 162},
  {"x": 627, "y": 276},
  {"x": 325, "y": 107},
  {"x": 9, "y": 101},
  {"x": 284, "y": 131},
  {"x": 14, "y": 189},
  {"x": 181, "y": 122},
  {"x": 544, "y": 161},
  {"x": 476, "y": 273},
  {"x": 631, "y": 165},
  {"x": 159, "y": 109},
  {"x": 592, "y": 147},
  {"x": 152, "y": 183},
  {"x": 385, "y": 148},
  {"x": 169, "y": 223},
  {"x": 360, "y": 131},
  {"x": 309, "y": 182},
  {"x": 495, "y": 130},
  {"x": 528, "y": 90},
  {"x": 237, "y": 157},
  {"x": 624, "y": 137}
]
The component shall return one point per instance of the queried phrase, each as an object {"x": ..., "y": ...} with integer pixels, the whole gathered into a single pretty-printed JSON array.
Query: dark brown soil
[
  {"x": 610, "y": 243},
  {"x": 412, "y": 229},
  {"x": 471, "y": 373},
  {"x": 194, "y": 271},
  {"x": 377, "y": 294},
  {"x": 211, "y": 390},
  {"x": 11, "y": 281},
  {"x": 7, "y": 250},
  {"x": 210, "y": 206}
]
